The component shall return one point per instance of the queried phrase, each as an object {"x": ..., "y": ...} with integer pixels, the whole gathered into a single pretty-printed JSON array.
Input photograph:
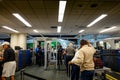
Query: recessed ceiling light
[
  {"x": 58, "y": 29},
  {"x": 62, "y": 5},
  {"x": 97, "y": 19},
  {"x": 81, "y": 31},
  {"x": 35, "y": 30},
  {"x": 108, "y": 29},
  {"x": 8, "y": 28},
  {"x": 21, "y": 19}
]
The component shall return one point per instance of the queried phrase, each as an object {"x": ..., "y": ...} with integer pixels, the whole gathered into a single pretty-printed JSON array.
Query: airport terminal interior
[{"x": 50, "y": 24}]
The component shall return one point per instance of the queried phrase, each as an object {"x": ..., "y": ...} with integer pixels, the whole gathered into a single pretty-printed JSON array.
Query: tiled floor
[{"x": 50, "y": 74}]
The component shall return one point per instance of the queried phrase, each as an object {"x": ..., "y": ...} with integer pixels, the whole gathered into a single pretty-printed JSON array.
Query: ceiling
[{"x": 42, "y": 14}]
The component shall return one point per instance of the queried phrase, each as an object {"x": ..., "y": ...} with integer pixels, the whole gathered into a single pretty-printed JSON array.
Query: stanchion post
[{"x": 22, "y": 74}]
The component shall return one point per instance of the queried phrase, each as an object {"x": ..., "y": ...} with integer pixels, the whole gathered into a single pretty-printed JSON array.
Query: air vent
[
  {"x": 80, "y": 26},
  {"x": 107, "y": 27},
  {"x": 80, "y": 5},
  {"x": 53, "y": 27},
  {"x": 93, "y": 5}
]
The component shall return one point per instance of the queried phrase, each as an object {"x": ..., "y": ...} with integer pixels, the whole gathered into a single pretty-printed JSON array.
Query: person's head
[
  {"x": 38, "y": 46},
  {"x": 60, "y": 46},
  {"x": 70, "y": 44},
  {"x": 84, "y": 42},
  {"x": 6, "y": 45}
]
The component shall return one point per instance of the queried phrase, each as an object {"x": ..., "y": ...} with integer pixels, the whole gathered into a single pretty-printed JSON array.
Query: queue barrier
[{"x": 23, "y": 73}]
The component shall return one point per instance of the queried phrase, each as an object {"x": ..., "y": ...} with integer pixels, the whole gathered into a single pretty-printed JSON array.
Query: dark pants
[
  {"x": 68, "y": 58},
  {"x": 1, "y": 68},
  {"x": 42, "y": 59},
  {"x": 87, "y": 75},
  {"x": 64, "y": 56},
  {"x": 37, "y": 59},
  {"x": 75, "y": 72},
  {"x": 59, "y": 60}
]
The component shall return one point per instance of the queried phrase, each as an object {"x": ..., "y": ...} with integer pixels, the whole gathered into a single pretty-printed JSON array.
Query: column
[
  {"x": 18, "y": 40},
  {"x": 14, "y": 40},
  {"x": 22, "y": 41}
]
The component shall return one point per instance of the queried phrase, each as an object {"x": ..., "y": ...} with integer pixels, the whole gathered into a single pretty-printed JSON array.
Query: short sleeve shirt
[{"x": 9, "y": 55}]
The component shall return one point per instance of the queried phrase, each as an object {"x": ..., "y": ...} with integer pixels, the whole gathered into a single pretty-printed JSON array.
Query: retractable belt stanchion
[
  {"x": 22, "y": 74},
  {"x": 29, "y": 75},
  {"x": 69, "y": 71}
]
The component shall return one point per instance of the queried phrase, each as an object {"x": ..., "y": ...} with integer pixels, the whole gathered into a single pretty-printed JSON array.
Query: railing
[{"x": 27, "y": 74}]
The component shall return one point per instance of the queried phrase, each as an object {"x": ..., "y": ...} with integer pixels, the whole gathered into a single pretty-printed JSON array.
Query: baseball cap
[{"x": 5, "y": 43}]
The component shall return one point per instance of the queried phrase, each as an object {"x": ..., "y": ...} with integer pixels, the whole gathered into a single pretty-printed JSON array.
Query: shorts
[{"x": 9, "y": 69}]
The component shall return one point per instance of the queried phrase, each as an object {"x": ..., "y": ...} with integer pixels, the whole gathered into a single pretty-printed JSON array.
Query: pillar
[
  {"x": 22, "y": 41},
  {"x": 14, "y": 40},
  {"x": 18, "y": 40}
]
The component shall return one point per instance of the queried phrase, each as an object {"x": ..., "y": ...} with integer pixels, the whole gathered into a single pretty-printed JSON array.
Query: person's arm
[
  {"x": 78, "y": 58},
  {"x": 1, "y": 58}
]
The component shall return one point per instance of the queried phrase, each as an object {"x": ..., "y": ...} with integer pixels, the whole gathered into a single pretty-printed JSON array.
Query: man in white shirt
[{"x": 84, "y": 58}]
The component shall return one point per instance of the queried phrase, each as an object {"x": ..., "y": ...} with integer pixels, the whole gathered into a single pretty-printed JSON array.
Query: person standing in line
[
  {"x": 1, "y": 63},
  {"x": 59, "y": 56},
  {"x": 64, "y": 56},
  {"x": 43, "y": 53},
  {"x": 84, "y": 57},
  {"x": 75, "y": 71},
  {"x": 40, "y": 56},
  {"x": 54, "y": 53},
  {"x": 37, "y": 54},
  {"x": 70, "y": 52},
  {"x": 9, "y": 63},
  {"x": 32, "y": 56}
]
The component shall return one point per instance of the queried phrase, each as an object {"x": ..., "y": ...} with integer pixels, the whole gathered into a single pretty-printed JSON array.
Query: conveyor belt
[
  {"x": 106, "y": 74},
  {"x": 113, "y": 76}
]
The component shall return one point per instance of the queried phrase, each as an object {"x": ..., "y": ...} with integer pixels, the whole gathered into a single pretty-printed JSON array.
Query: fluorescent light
[
  {"x": 35, "y": 30},
  {"x": 81, "y": 31},
  {"x": 105, "y": 30},
  {"x": 62, "y": 5},
  {"x": 96, "y": 20},
  {"x": 8, "y": 28},
  {"x": 59, "y": 29},
  {"x": 21, "y": 19}
]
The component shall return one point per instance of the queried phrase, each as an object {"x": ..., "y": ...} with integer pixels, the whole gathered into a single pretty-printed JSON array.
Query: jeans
[
  {"x": 75, "y": 72},
  {"x": 87, "y": 75}
]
